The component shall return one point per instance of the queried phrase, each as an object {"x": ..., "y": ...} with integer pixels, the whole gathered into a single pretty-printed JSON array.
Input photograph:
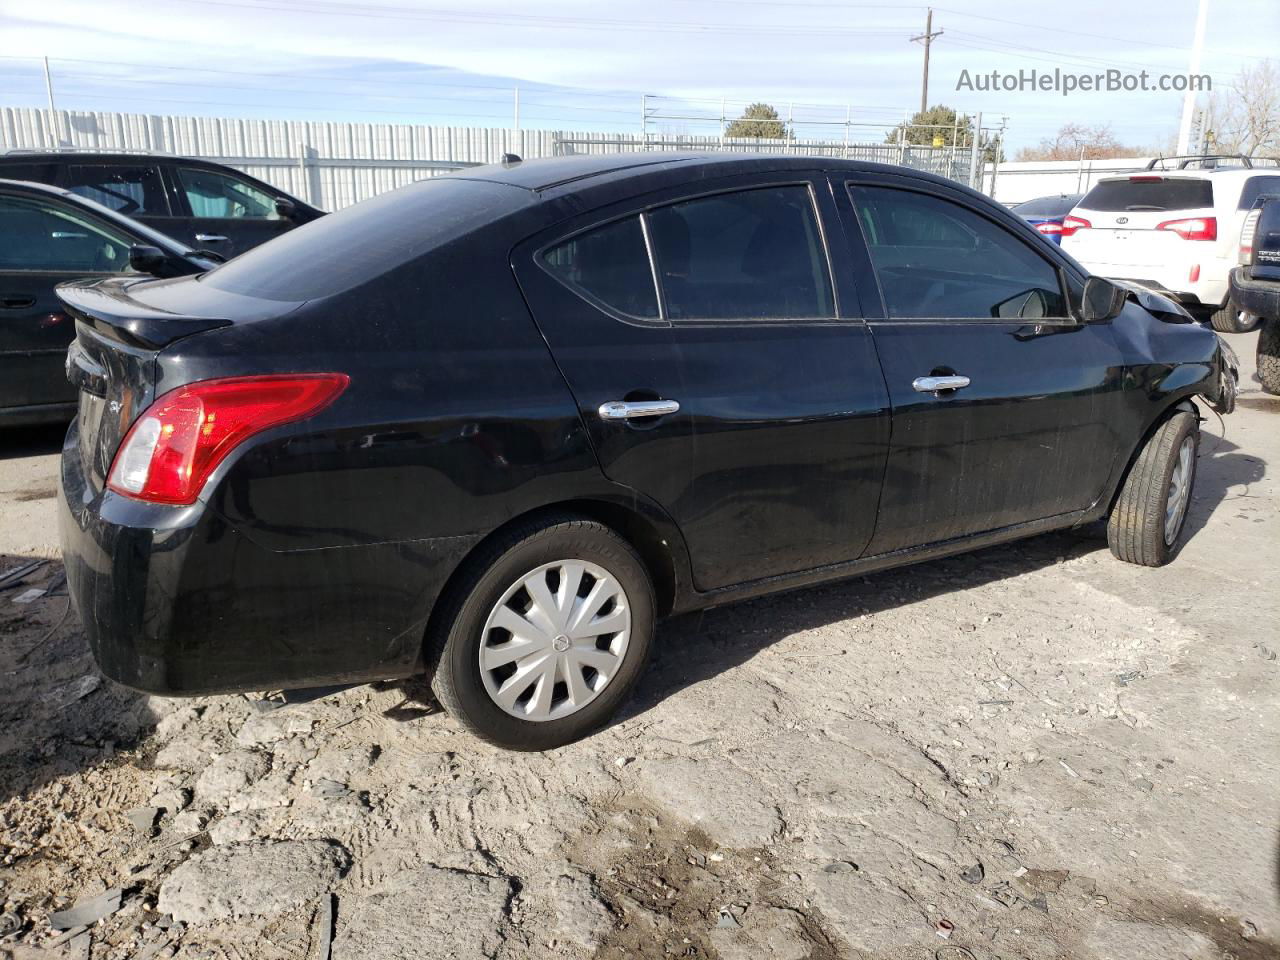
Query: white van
[{"x": 1176, "y": 230}]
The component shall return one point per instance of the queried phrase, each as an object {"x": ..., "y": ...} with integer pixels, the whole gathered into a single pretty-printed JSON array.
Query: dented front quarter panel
[{"x": 1159, "y": 363}]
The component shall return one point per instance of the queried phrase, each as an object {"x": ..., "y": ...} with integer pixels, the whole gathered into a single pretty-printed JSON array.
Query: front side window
[
  {"x": 609, "y": 264},
  {"x": 217, "y": 195},
  {"x": 754, "y": 255},
  {"x": 35, "y": 235},
  {"x": 131, "y": 190},
  {"x": 938, "y": 259}
]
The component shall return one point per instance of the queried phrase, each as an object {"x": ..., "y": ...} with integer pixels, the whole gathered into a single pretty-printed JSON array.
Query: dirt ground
[{"x": 1030, "y": 752}]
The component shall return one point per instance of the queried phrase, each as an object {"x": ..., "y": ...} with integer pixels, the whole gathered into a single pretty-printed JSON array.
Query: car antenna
[{"x": 509, "y": 158}]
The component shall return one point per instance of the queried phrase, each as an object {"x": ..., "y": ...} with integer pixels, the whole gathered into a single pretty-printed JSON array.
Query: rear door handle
[
  {"x": 630, "y": 410},
  {"x": 938, "y": 384},
  {"x": 16, "y": 303},
  {"x": 211, "y": 238}
]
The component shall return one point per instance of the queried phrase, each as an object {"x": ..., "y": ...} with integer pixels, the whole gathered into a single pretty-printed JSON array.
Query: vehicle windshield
[
  {"x": 1149, "y": 193},
  {"x": 345, "y": 249}
]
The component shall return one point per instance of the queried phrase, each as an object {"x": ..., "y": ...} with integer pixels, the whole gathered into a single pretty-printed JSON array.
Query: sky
[{"x": 584, "y": 65}]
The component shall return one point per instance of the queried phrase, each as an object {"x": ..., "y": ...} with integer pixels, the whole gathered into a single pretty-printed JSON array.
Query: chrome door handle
[
  {"x": 629, "y": 410},
  {"x": 211, "y": 238},
  {"x": 937, "y": 384}
]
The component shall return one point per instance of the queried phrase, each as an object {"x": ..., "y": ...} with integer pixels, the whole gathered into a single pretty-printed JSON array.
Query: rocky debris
[
  {"x": 343, "y": 766},
  {"x": 172, "y": 801},
  {"x": 427, "y": 912},
  {"x": 227, "y": 777},
  {"x": 581, "y": 916},
  {"x": 714, "y": 795},
  {"x": 268, "y": 727},
  {"x": 143, "y": 819},
  {"x": 86, "y": 912},
  {"x": 771, "y": 932},
  {"x": 251, "y": 879}
]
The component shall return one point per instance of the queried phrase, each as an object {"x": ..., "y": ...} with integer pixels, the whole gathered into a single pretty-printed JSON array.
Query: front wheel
[
  {"x": 1151, "y": 510},
  {"x": 546, "y": 637},
  {"x": 1231, "y": 319}
]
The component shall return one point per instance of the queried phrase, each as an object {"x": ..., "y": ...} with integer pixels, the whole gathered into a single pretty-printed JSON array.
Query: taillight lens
[
  {"x": 1193, "y": 228},
  {"x": 1049, "y": 228},
  {"x": 175, "y": 445},
  {"x": 1071, "y": 224},
  {"x": 1247, "y": 233}
]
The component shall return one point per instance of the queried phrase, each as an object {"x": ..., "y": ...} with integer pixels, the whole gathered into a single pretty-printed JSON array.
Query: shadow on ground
[
  {"x": 31, "y": 441},
  {"x": 58, "y": 715}
]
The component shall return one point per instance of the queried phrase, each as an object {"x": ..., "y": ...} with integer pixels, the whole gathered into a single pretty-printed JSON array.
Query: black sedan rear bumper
[
  {"x": 176, "y": 601},
  {"x": 1261, "y": 297}
]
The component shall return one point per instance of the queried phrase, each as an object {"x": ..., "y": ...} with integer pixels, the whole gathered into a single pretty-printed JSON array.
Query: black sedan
[
  {"x": 48, "y": 236},
  {"x": 492, "y": 426}
]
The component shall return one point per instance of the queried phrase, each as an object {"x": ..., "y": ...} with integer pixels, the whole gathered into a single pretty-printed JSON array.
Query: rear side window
[
  {"x": 1149, "y": 193},
  {"x": 754, "y": 255},
  {"x": 609, "y": 264},
  {"x": 1256, "y": 187},
  {"x": 131, "y": 190},
  {"x": 936, "y": 259}
]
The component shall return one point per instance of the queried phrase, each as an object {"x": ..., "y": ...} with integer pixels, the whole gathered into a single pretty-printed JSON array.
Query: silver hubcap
[
  {"x": 555, "y": 640},
  {"x": 1179, "y": 491}
]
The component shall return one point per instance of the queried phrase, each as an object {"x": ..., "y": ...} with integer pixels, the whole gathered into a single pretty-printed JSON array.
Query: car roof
[
  {"x": 93, "y": 156},
  {"x": 550, "y": 176}
]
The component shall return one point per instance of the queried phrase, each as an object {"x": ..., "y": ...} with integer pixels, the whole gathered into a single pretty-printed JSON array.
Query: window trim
[
  {"x": 57, "y": 204},
  {"x": 1064, "y": 290},
  {"x": 663, "y": 319}
]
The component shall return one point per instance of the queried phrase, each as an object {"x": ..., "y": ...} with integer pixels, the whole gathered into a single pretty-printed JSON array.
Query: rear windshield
[
  {"x": 345, "y": 249},
  {"x": 1046, "y": 206},
  {"x": 1150, "y": 194}
]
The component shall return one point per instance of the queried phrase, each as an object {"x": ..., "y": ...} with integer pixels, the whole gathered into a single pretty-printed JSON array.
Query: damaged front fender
[{"x": 1226, "y": 383}]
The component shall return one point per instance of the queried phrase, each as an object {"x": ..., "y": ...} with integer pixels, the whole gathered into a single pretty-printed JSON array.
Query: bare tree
[
  {"x": 1246, "y": 117},
  {"x": 1097, "y": 143}
]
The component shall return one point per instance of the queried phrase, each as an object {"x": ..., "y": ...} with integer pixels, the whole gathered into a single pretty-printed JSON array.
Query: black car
[
  {"x": 203, "y": 204},
  {"x": 1255, "y": 285},
  {"x": 48, "y": 236},
  {"x": 492, "y": 425}
]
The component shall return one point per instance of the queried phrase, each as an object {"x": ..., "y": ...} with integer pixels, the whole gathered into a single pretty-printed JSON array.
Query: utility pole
[
  {"x": 927, "y": 39},
  {"x": 54, "y": 135},
  {"x": 1189, "y": 98}
]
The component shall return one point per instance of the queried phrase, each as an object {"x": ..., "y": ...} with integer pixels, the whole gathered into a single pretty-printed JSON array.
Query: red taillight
[
  {"x": 1194, "y": 228},
  {"x": 171, "y": 449},
  {"x": 1071, "y": 224},
  {"x": 1049, "y": 228}
]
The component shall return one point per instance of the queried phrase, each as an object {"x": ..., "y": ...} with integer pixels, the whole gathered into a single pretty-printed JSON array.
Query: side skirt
[{"x": 885, "y": 561}]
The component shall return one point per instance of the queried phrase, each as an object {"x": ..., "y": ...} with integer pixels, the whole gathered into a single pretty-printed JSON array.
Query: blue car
[{"x": 1046, "y": 213}]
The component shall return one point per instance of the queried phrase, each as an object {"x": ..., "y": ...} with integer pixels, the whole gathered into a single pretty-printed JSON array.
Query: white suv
[{"x": 1174, "y": 230}]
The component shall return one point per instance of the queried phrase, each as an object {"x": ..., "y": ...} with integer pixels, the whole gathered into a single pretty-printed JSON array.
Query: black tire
[
  {"x": 454, "y": 648},
  {"x": 1269, "y": 356},
  {"x": 1136, "y": 529},
  {"x": 1227, "y": 319}
]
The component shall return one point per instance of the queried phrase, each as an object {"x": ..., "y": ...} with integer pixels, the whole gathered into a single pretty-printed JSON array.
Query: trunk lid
[{"x": 122, "y": 325}]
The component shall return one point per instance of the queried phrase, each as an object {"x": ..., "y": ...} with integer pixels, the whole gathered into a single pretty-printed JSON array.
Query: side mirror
[
  {"x": 148, "y": 259},
  {"x": 285, "y": 208},
  {"x": 1102, "y": 300}
]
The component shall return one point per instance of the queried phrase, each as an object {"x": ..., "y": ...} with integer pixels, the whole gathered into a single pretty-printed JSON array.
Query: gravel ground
[{"x": 1036, "y": 751}]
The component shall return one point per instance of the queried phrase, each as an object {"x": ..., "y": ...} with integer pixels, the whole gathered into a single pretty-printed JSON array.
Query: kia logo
[{"x": 1122, "y": 219}]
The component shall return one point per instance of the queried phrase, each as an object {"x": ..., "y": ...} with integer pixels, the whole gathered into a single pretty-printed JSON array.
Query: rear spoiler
[{"x": 108, "y": 308}]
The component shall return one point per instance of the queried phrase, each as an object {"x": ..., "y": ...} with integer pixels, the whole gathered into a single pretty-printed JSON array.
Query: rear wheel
[
  {"x": 1269, "y": 355},
  {"x": 1152, "y": 507},
  {"x": 1231, "y": 319},
  {"x": 546, "y": 637}
]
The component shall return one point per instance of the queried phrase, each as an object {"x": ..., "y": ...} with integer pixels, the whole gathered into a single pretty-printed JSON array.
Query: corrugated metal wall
[{"x": 333, "y": 165}]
